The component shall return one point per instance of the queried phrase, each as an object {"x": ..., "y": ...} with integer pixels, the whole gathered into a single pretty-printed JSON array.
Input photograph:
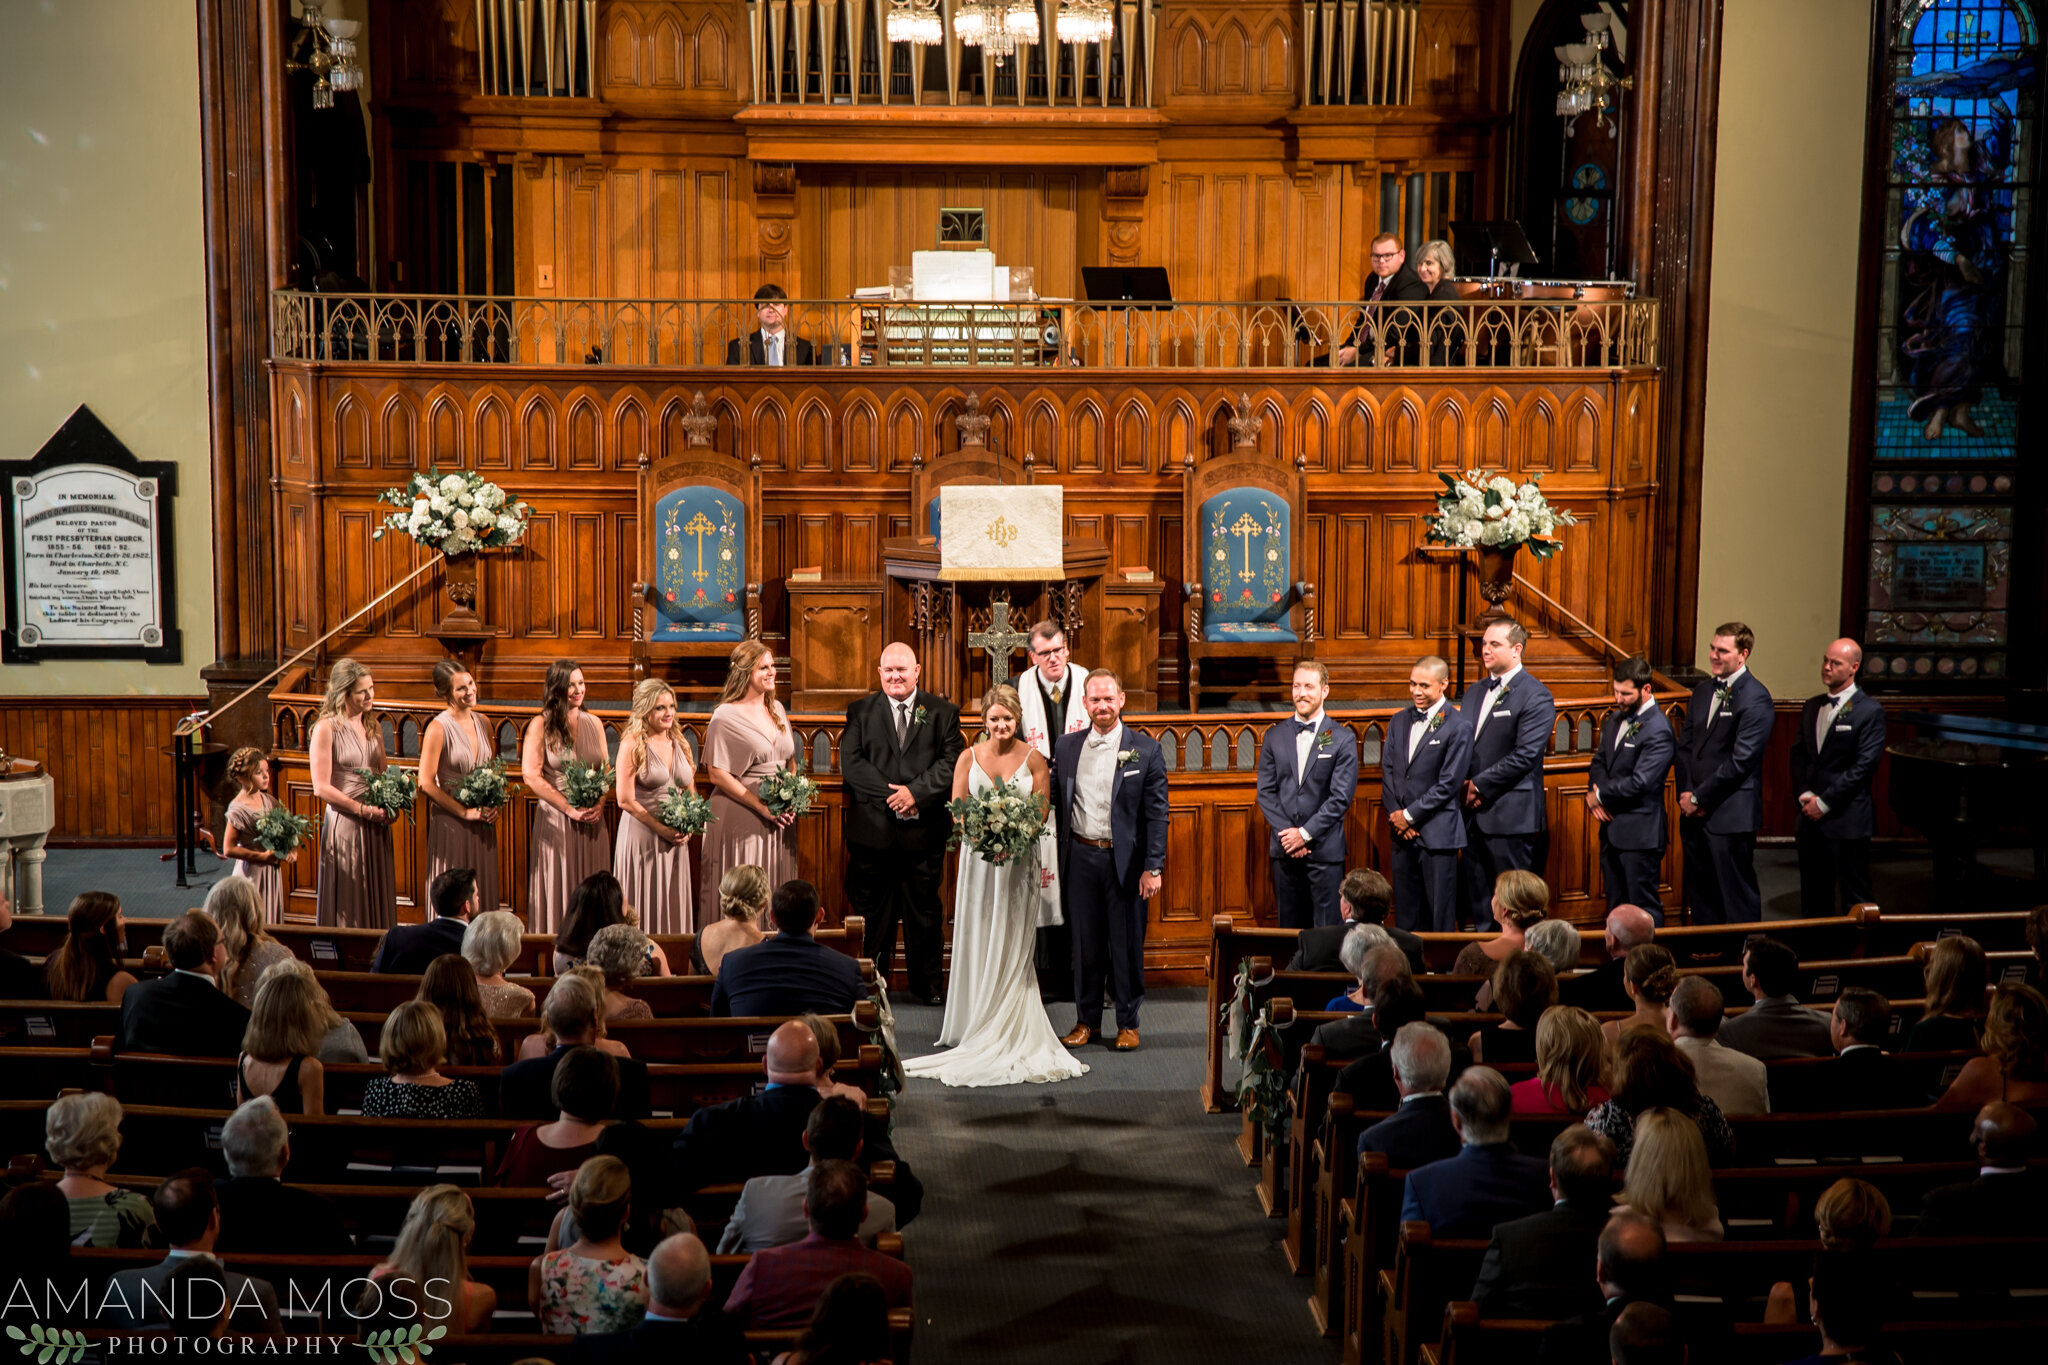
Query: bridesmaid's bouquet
[
  {"x": 395, "y": 790},
  {"x": 683, "y": 810},
  {"x": 584, "y": 784},
  {"x": 484, "y": 787},
  {"x": 280, "y": 832},
  {"x": 788, "y": 790},
  {"x": 999, "y": 823}
]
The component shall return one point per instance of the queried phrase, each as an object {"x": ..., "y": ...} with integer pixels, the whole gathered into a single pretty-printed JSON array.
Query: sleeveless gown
[
  {"x": 565, "y": 851},
  {"x": 358, "y": 885},
  {"x": 735, "y": 741},
  {"x": 654, "y": 872},
  {"x": 995, "y": 1023},
  {"x": 269, "y": 877},
  {"x": 461, "y": 843}
]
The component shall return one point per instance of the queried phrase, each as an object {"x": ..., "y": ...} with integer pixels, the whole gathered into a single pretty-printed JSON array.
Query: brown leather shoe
[
  {"x": 1080, "y": 1037},
  {"x": 1126, "y": 1040}
]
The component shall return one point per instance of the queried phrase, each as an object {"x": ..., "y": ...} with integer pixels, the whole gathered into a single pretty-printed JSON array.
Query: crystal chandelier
[
  {"x": 972, "y": 20},
  {"x": 1083, "y": 21},
  {"x": 1020, "y": 21},
  {"x": 915, "y": 21},
  {"x": 1586, "y": 85},
  {"x": 329, "y": 50}
]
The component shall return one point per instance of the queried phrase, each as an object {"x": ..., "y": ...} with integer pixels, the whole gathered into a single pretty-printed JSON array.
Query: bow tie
[
  {"x": 1492, "y": 684},
  {"x": 1098, "y": 740},
  {"x": 1422, "y": 713},
  {"x": 1305, "y": 727}
]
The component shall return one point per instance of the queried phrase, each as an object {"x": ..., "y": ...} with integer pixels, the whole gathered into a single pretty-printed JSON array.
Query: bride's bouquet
[{"x": 999, "y": 822}]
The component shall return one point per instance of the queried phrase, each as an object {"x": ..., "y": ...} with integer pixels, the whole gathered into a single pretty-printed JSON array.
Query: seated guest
[
  {"x": 1735, "y": 1081},
  {"x": 1378, "y": 961},
  {"x": 770, "y": 1211},
  {"x": 791, "y": 972},
  {"x": 1571, "y": 1065},
  {"x": 571, "y": 1012},
  {"x": 742, "y": 905},
  {"x": 82, "y": 1133},
  {"x": 412, "y": 1046},
  {"x": 827, "y": 1034},
  {"x": 1359, "y": 940},
  {"x": 1369, "y": 1080},
  {"x": 1650, "y": 1073},
  {"x": 542, "y": 1043},
  {"x": 1523, "y": 988},
  {"x": 1600, "y": 990},
  {"x": 1535, "y": 1266},
  {"x": 593, "y": 1285},
  {"x": 620, "y": 951},
  {"x": 1862, "y": 1077},
  {"x": 1559, "y": 944},
  {"x": 449, "y": 985},
  {"x": 1364, "y": 898},
  {"x": 850, "y": 1326},
  {"x": 260, "y": 1214},
  {"x": 1420, "y": 1130},
  {"x": 1521, "y": 900},
  {"x": 1956, "y": 976},
  {"x": 87, "y": 964},
  {"x": 1488, "y": 1181},
  {"x": 585, "y": 1089},
  {"x": 1628, "y": 1267},
  {"x": 35, "y": 1245},
  {"x": 490, "y": 945},
  {"x": 280, "y": 1048},
  {"x": 598, "y": 902},
  {"x": 780, "y": 1286},
  {"x": 341, "y": 1042},
  {"x": 235, "y": 905},
  {"x": 1648, "y": 976},
  {"x": 1850, "y": 1215},
  {"x": 2014, "y": 1066},
  {"x": 2008, "y": 1198},
  {"x": 188, "y": 1219},
  {"x": 406, "y": 949},
  {"x": 20, "y": 979},
  {"x": 1669, "y": 1179},
  {"x": 185, "y": 1013},
  {"x": 426, "y": 1277},
  {"x": 1847, "y": 1306},
  {"x": 680, "y": 1327},
  {"x": 1776, "y": 1024},
  {"x": 762, "y": 1134}
]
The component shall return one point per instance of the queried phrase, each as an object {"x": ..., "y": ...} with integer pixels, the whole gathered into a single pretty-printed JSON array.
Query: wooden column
[{"x": 1123, "y": 205}]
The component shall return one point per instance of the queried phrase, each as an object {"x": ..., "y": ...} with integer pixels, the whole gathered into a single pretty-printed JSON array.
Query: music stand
[
  {"x": 1501, "y": 239},
  {"x": 1135, "y": 286}
]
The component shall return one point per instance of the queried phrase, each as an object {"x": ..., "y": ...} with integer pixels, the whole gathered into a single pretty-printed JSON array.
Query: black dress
[
  {"x": 285, "y": 1096},
  {"x": 1499, "y": 1044},
  {"x": 1943, "y": 1033}
]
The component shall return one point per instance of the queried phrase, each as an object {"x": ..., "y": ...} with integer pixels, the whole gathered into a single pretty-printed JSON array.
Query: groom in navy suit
[
  {"x": 1625, "y": 791},
  {"x": 1422, "y": 771},
  {"x": 1109, "y": 784},
  {"x": 1720, "y": 784},
  {"x": 1308, "y": 771},
  {"x": 1511, "y": 716}
]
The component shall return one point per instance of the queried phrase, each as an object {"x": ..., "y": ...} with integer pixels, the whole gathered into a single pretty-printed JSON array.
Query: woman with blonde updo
[
  {"x": 747, "y": 738},
  {"x": 249, "y": 769},
  {"x": 358, "y": 886},
  {"x": 452, "y": 744},
  {"x": 1649, "y": 974},
  {"x": 426, "y": 1278},
  {"x": 995, "y": 1022},
  {"x": 1521, "y": 901},
  {"x": 652, "y": 861},
  {"x": 742, "y": 900}
]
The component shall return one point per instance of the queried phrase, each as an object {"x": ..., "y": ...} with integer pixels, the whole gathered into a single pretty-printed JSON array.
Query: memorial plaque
[
  {"x": 1937, "y": 576},
  {"x": 88, "y": 550}
]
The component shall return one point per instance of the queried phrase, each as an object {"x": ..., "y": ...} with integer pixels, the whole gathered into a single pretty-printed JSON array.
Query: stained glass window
[{"x": 1961, "y": 172}]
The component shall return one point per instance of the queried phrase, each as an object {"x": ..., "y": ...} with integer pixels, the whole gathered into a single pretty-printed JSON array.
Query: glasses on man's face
[
  {"x": 1050, "y": 652},
  {"x": 1386, "y": 255}
]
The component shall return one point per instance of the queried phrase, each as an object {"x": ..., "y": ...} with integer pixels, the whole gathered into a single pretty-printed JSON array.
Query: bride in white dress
[{"x": 995, "y": 1024}]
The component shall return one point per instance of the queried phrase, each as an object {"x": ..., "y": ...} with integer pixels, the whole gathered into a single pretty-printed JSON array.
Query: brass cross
[
  {"x": 700, "y": 526},
  {"x": 999, "y": 641},
  {"x": 1246, "y": 528}
]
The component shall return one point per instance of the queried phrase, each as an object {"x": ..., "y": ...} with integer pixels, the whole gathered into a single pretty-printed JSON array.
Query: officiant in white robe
[{"x": 1050, "y": 691}]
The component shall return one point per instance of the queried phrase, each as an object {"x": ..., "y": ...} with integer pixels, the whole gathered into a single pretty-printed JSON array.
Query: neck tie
[
  {"x": 902, "y": 722},
  {"x": 775, "y": 349}
]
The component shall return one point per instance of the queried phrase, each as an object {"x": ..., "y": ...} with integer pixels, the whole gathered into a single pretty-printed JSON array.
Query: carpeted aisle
[{"x": 1105, "y": 1219}]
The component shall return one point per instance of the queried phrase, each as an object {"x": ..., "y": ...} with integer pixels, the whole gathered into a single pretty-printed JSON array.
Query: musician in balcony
[
  {"x": 1834, "y": 761},
  {"x": 1393, "y": 281},
  {"x": 770, "y": 343}
]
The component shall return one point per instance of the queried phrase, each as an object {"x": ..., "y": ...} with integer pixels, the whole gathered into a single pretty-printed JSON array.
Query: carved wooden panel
[{"x": 115, "y": 783}]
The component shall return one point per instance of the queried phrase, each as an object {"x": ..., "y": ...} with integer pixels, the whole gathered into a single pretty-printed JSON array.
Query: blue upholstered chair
[
  {"x": 1241, "y": 518},
  {"x": 700, "y": 552}
]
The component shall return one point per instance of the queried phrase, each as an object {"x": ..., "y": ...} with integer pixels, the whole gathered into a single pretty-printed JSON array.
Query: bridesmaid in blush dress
[
  {"x": 358, "y": 888},
  {"x": 250, "y": 771},
  {"x": 568, "y": 844},
  {"x": 454, "y": 742},
  {"x": 747, "y": 739},
  {"x": 653, "y": 861}
]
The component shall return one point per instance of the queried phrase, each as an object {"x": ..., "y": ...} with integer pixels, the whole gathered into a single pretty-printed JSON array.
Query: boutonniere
[
  {"x": 1846, "y": 708},
  {"x": 1724, "y": 692},
  {"x": 1634, "y": 728},
  {"x": 1502, "y": 694},
  {"x": 1124, "y": 756},
  {"x": 1434, "y": 721},
  {"x": 1324, "y": 740},
  {"x": 917, "y": 716}
]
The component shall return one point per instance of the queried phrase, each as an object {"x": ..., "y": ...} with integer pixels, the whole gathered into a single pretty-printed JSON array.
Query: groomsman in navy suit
[
  {"x": 1511, "y": 716},
  {"x": 1720, "y": 787},
  {"x": 1422, "y": 772},
  {"x": 1109, "y": 783},
  {"x": 1626, "y": 797},
  {"x": 1834, "y": 761},
  {"x": 1308, "y": 771}
]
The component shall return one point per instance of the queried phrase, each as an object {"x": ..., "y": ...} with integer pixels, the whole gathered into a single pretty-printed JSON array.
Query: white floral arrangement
[
  {"x": 457, "y": 513},
  {"x": 1475, "y": 510}
]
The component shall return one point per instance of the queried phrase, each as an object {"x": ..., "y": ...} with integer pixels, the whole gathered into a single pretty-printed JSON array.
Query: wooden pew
[
  {"x": 731, "y": 1039},
  {"x": 670, "y": 997},
  {"x": 506, "y": 1348},
  {"x": 1995, "y": 931},
  {"x": 1468, "y": 1339}
]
